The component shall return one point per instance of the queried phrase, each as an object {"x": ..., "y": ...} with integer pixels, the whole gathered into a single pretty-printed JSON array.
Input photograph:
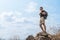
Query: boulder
[
  {"x": 42, "y": 36},
  {"x": 30, "y": 37}
]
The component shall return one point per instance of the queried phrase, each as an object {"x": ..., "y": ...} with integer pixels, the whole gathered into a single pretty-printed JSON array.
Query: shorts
[{"x": 42, "y": 20}]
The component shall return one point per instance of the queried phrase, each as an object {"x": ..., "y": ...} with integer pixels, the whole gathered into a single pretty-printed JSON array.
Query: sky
[{"x": 20, "y": 18}]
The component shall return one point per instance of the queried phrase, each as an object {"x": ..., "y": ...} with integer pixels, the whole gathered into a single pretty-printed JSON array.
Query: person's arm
[
  {"x": 40, "y": 14},
  {"x": 45, "y": 13}
]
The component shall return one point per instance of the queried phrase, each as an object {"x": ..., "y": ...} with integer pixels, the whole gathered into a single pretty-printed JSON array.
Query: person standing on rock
[{"x": 43, "y": 16}]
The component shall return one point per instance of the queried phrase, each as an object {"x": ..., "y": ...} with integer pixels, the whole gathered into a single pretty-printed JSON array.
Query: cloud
[
  {"x": 9, "y": 18},
  {"x": 15, "y": 23},
  {"x": 31, "y": 7},
  {"x": 52, "y": 23}
]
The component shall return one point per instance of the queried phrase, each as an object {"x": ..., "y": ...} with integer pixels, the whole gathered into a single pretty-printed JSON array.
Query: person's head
[{"x": 41, "y": 8}]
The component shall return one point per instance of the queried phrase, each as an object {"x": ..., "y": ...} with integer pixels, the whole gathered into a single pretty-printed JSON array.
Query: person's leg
[
  {"x": 42, "y": 24},
  {"x": 43, "y": 27}
]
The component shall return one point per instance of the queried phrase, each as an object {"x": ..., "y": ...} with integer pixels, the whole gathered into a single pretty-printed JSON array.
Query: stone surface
[
  {"x": 43, "y": 36},
  {"x": 30, "y": 37}
]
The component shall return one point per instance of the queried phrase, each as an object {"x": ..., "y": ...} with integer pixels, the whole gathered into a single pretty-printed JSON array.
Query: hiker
[{"x": 43, "y": 16}]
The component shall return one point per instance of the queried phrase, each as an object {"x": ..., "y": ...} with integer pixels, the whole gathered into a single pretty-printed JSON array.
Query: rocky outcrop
[{"x": 43, "y": 36}]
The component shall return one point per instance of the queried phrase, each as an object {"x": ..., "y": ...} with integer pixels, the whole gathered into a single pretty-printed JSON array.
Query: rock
[
  {"x": 42, "y": 36},
  {"x": 30, "y": 37}
]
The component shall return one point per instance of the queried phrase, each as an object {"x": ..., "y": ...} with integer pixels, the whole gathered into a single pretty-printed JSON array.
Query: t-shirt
[{"x": 44, "y": 14}]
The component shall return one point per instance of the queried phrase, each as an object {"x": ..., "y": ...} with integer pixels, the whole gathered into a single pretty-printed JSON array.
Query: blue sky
[{"x": 21, "y": 17}]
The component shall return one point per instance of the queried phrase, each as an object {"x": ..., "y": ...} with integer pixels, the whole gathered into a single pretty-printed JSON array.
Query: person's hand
[{"x": 43, "y": 13}]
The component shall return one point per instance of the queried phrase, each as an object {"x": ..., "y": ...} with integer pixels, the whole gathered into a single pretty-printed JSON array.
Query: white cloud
[
  {"x": 31, "y": 7},
  {"x": 7, "y": 18},
  {"x": 12, "y": 27},
  {"x": 2, "y": 15}
]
